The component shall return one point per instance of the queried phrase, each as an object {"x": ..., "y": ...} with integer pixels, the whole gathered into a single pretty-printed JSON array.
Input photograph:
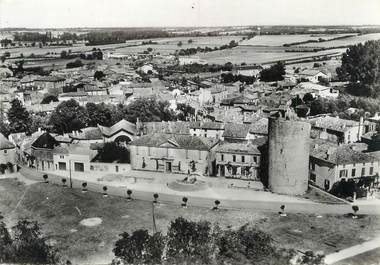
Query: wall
[
  {"x": 288, "y": 156},
  {"x": 8, "y": 155},
  {"x": 145, "y": 158},
  {"x": 210, "y": 133}
]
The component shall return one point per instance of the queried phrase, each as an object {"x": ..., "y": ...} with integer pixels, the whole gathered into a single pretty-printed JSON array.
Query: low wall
[
  {"x": 116, "y": 168},
  {"x": 331, "y": 198}
]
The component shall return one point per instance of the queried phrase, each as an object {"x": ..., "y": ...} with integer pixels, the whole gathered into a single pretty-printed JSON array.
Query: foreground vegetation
[{"x": 60, "y": 210}]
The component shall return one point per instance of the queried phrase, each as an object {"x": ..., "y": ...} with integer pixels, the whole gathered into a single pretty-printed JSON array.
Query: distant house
[
  {"x": 315, "y": 90},
  {"x": 190, "y": 60},
  {"x": 123, "y": 131},
  {"x": 50, "y": 84},
  {"x": 172, "y": 153},
  {"x": 167, "y": 127},
  {"x": 340, "y": 130},
  {"x": 330, "y": 163},
  {"x": 74, "y": 157},
  {"x": 207, "y": 129},
  {"x": 238, "y": 160},
  {"x": 313, "y": 75},
  {"x": 7, "y": 152},
  {"x": 234, "y": 132},
  {"x": 42, "y": 151}
]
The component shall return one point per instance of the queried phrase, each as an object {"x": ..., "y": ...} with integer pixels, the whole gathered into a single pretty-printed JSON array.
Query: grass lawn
[{"x": 59, "y": 210}]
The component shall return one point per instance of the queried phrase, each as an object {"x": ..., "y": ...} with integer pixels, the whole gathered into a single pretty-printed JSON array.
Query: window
[
  {"x": 371, "y": 170},
  {"x": 5, "y": 151},
  {"x": 222, "y": 157},
  {"x": 343, "y": 173},
  {"x": 363, "y": 171},
  {"x": 149, "y": 151},
  {"x": 312, "y": 166},
  {"x": 137, "y": 150},
  {"x": 353, "y": 171},
  {"x": 255, "y": 159},
  {"x": 243, "y": 159},
  {"x": 91, "y": 167},
  {"x": 187, "y": 154},
  {"x": 205, "y": 134},
  {"x": 62, "y": 165},
  {"x": 62, "y": 157},
  {"x": 199, "y": 154},
  {"x": 234, "y": 158},
  {"x": 78, "y": 167},
  {"x": 179, "y": 165}
]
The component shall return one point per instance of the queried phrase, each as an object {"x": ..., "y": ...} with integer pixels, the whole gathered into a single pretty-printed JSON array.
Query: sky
[{"x": 187, "y": 13}]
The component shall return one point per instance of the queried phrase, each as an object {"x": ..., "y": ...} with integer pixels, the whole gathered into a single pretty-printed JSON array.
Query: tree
[
  {"x": 68, "y": 116},
  {"x": 355, "y": 208},
  {"x": 113, "y": 152},
  {"x": 184, "y": 111},
  {"x": 129, "y": 193},
  {"x": 98, "y": 114},
  {"x": 155, "y": 197},
  {"x": 4, "y": 127},
  {"x": 184, "y": 202},
  {"x": 18, "y": 117},
  {"x": 84, "y": 186},
  {"x": 38, "y": 121},
  {"x": 30, "y": 246},
  {"x": 49, "y": 98},
  {"x": 149, "y": 110},
  {"x": 179, "y": 44},
  {"x": 273, "y": 73},
  {"x": 217, "y": 202},
  {"x": 189, "y": 241},
  {"x": 99, "y": 75},
  {"x": 45, "y": 177},
  {"x": 5, "y": 243},
  {"x": 360, "y": 64},
  {"x": 74, "y": 64},
  {"x": 139, "y": 247}
]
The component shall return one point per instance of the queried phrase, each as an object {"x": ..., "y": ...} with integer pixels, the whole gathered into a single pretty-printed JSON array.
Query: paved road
[
  {"x": 353, "y": 251},
  {"x": 294, "y": 207}
]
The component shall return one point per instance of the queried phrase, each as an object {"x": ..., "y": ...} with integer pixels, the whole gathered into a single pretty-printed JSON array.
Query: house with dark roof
[
  {"x": 7, "y": 152},
  {"x": 238, "y": 160},
  {"x": 330, "y": 163},
  {"x": 207, "y": 129},
  {"x": 313, "y": 75},
  {"x": 50, "y": 83},
  {"x": 122, "y": 131},
  {"x": 42, "y": 151},
  {"x": 170, "y": 153}
]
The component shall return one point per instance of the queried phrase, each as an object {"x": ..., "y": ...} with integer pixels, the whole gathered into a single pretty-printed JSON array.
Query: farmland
[
  {"x": 344, "y": 42},
  {"x": 279, "y": 40}
]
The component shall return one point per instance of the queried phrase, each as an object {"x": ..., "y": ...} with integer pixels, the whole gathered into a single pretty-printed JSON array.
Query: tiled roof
[
  {"x": 338, "y": 155},
  {"x": 176, "y": 141},
  {"x": 74, "y": 149},
  {"x": 89, "y": 133},
  {"x": 259, "y": 126},
  {"x": 236, "y": 130},
  {"x": 173, "y": 127},
  {"x": 121, "y": 125},
  {"x": 333, "y": 123},
  {"x": 207, "y": 125},
  {"x": 5, "y": 143},
  {"x": 45, "y": 141},
  {"x": 311, "y": 72},
  {"x": 238, "y": 148},
  {"x": 50, "y": 79}
]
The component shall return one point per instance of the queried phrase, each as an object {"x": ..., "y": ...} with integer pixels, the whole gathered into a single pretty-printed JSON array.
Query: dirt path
[{"x": 353, "y": 251}]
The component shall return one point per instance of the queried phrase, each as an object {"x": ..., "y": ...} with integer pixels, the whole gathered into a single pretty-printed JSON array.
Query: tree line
[
  {"x": 191, "y": 242},
  {"x": 71, "y": 116}
]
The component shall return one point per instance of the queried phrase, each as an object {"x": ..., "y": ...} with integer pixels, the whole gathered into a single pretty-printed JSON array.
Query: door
[
  {"x": 168, "y": 166},
  {"x": 222, "y": 171},
  {"x": 327, "y": 184}
]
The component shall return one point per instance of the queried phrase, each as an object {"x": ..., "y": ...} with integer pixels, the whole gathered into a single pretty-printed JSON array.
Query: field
[
  {"x": 60, "y": 211},
  {"x": 258, "y": 55},
  {"x": 343, "y": 42},
  {"x": 279, "y": 40}
]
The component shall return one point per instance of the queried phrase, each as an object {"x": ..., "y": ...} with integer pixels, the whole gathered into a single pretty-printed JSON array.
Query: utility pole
[
  {"x": 71, "y": 182},
  {"x": 154, "y": 220}
]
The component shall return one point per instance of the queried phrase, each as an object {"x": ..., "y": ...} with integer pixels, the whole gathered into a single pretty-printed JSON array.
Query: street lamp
[{"x": 71, "y": 182}]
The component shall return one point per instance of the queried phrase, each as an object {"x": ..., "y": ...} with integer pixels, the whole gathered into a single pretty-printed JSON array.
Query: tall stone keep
[{"x": 288, "y": 156}]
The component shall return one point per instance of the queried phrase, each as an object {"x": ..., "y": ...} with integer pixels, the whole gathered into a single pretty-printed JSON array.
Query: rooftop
[
  {"x": 122, "y": 125},
  {"x": 5, "y": 143},
  {"x": 238, "y": 148},
  {"x": 333, "y": 123},
  {"x": 175, "y": 141}
]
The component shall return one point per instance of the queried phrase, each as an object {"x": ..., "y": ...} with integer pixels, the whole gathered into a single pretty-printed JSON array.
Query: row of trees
[
  {"x": 360, "y": 66},
  {"x": 189, "y": 242},
  {"x": 192, "y": 51},
  {"x": 231, "y": 78},
  {"x": 25, "y": 244},
  {"x": 70, "y": 115}
]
